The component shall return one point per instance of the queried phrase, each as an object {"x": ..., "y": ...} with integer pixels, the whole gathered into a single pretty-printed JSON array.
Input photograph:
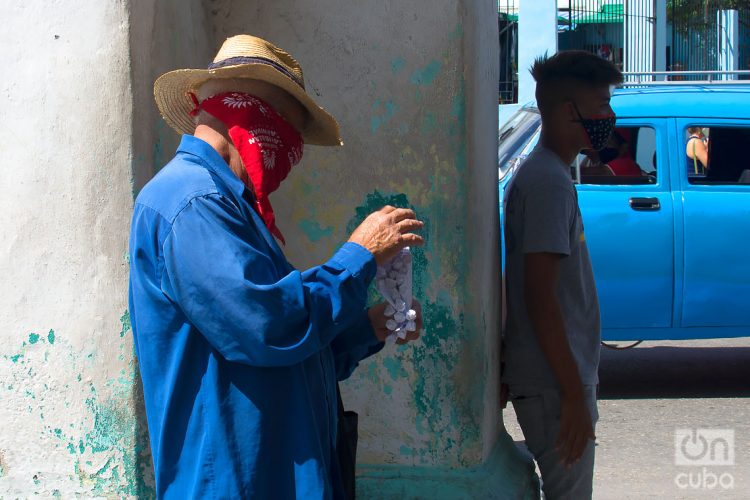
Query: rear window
[{"x": 716, "y": 155}]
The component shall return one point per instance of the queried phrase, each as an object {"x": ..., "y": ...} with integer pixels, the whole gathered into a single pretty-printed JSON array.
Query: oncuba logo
[{"x": 704, "y": 448}]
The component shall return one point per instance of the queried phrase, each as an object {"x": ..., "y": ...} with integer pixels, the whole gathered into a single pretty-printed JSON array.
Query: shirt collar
[{"x": 212, "y": 159}]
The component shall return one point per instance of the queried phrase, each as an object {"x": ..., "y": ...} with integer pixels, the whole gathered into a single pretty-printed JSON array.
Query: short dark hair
[{"x": 557, "y": 76}]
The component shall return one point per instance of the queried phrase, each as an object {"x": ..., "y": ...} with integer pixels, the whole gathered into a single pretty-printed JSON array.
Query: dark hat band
[{"x": 234, "y": 61}]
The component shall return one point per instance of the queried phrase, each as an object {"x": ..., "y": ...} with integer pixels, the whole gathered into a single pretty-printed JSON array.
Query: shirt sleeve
[
  {"x": 352, "y": 346},
  {"x": 216, "y": 270},
  {"x": 547, "y": 219}
]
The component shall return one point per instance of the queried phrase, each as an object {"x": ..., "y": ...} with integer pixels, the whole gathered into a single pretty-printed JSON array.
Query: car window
[
  {"x": 628, "y": 158},
  {"x": 514, "y": 138},
  {"x": 716, "y": 155}
]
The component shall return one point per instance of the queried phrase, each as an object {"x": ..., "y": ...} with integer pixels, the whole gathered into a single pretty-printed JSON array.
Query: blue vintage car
[{"x": 669, "y": 237}]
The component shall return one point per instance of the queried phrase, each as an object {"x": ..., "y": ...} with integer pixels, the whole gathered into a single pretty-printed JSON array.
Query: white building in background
[
  {"x": 636, "y": 35},
  {"x": 631, "y": 33}
]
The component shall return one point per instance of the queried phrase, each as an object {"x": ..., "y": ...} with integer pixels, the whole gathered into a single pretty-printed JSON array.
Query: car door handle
[{"x": 645, "y": 204}]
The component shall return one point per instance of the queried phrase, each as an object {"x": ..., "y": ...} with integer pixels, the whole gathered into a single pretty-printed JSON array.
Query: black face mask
[
  {"x": 598, "y": 128},
  {"x": 608, "y": 154}
]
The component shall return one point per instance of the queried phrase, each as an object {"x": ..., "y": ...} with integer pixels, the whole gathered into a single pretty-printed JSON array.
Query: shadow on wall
[{"x": 164, "y": 35}]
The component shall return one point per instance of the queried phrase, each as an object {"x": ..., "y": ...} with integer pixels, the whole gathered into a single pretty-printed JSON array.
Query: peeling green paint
[
  {"x": 397, "y": 65},
  {"x": 426, "y": 75},
  {"x": 442, "y": 400},
  {"x": 113, "y": 430},
  {"x": 314, "y": 231},
  {"x": 377, "y": 200},
  {"x": 394, "y": 367},
  {"x": 377, "y": 121},
  {"x": 111, "y": 434},
  {"x": 429, "y": 124},
  {"x": 419, "y": 424},
  {"x": 439, "y": 416},
  {"x": 125, "y": 322},
  {"x": 406, "y": 451},
  {"x": 372, "y": 373}
]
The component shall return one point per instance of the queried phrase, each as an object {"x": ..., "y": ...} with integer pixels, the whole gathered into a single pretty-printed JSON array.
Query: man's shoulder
[
  {"x": 174, "y": 186},
  {"x": 543, "y": 171}
]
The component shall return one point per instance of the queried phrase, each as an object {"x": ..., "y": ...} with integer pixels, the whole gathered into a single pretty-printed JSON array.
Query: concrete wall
[
  {"x": 67, "y": 420},
  {"x": 75, "y": 131},
  {"x": 413, "y": 84}
]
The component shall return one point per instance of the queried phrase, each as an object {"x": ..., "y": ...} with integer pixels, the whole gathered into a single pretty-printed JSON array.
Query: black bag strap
[{"x": 346, "y": 446}]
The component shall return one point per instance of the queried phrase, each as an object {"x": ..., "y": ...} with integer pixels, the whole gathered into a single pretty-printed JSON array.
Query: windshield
[{"x": 514, "y": 138}]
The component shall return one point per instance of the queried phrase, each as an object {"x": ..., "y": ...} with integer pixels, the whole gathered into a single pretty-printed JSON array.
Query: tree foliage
[{"x": 701, "y": 11}]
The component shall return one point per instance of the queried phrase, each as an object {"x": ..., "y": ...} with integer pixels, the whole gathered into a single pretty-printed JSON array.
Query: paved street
[{"x": 651, "y": 391}]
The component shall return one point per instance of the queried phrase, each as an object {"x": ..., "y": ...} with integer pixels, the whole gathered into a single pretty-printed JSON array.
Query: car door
[
  {"x": 716, "y": 220},
  {"x": 629, "y": 227}
]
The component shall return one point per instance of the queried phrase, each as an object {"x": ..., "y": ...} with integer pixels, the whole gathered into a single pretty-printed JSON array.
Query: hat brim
[{"x": 172, "y": 94}]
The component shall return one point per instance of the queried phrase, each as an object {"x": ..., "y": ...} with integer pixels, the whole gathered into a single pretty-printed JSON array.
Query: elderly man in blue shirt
[{"x": 239, "y": 352}]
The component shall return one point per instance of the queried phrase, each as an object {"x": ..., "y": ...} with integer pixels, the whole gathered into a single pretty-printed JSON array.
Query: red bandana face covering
[{"x": 268, "y": 145}]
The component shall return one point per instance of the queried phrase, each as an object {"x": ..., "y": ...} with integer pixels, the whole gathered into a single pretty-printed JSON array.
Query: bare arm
[
  {"x": 540, "y": 284},
  {"x": 701, "y": 151}
]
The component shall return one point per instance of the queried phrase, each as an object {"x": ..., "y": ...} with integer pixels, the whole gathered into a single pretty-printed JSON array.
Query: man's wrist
[
  {"x": 572, "y": 392},
  {"x": 357, "y": 260},
  {"x": 370, "y": 338}
]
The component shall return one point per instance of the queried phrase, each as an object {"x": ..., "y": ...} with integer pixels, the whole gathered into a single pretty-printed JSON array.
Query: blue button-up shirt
[{"x": 239, "y": 352}]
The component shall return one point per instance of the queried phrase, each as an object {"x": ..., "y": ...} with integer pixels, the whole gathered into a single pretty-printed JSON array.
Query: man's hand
[
  {"x": 385, "y": 232},
  {"x": 378, "y": 319},
  {"x": 540, "y": 282},
  {"x": 575, "y": 429}
]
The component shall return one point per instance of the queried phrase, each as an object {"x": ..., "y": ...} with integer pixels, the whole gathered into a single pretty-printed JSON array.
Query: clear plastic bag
[{"x": 394, "y": 282}]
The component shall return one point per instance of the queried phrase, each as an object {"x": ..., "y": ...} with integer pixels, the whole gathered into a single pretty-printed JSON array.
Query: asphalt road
[{"x": 658, "y": 393}]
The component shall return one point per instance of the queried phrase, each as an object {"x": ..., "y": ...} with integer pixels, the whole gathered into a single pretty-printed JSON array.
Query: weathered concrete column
[
  {"x": 414, "y": 85},
  {"x": 78, "y": 124},
  {"x": 67, "y": 422}
]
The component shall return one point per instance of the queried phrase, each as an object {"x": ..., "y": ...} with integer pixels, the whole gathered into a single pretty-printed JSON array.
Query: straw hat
[{"x": 244, "y": 56}]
